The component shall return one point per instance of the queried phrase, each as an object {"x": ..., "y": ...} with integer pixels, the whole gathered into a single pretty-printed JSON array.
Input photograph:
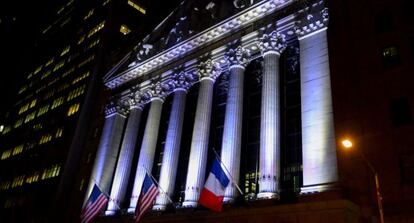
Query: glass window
[
  {"x": 391, "y": 57},
  {"x": 124, "y": 29}
]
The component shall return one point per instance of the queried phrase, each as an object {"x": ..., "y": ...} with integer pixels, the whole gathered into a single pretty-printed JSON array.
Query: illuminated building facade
[
  {"x": 272, "y": 86},
  {"x": 43, "y": 139},
  {"x": 250, "y": 80}
]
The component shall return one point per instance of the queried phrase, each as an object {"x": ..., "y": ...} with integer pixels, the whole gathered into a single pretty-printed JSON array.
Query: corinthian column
[
  {"x": 107, "y": 153},
  {"x": 232, "y": 132},
  {"x": 271, "y": 45},
  {"x": 123, "y": 167},
  {"x": 199, "y": 143},
  {"x": 318, "y": 137},
  {"x": 149, "y": 141},
  {"x": 180, "y": 83}
]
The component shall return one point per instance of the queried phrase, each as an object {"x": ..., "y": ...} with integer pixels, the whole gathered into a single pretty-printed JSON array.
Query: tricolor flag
[
  {"x": 148, "y": 194},
  {"x": 213, "y": 193},
  {"x": 96, "y": 202}
]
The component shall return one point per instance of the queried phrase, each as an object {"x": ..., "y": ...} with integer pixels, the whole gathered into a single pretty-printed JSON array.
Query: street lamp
[{"x": 348, "y": 144}]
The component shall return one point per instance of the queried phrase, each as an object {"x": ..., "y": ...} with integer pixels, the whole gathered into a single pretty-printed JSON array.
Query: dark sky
[{"x": 21, "y": 23}]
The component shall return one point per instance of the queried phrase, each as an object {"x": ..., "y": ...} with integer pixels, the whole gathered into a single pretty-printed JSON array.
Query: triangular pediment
[{"x": 188, "y": 19}]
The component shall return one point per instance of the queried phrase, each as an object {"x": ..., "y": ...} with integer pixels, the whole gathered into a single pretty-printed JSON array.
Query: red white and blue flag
[
  {"x": 96, "y": 202},
  {"x": 146, "y": 198},
  {"x": 213, "y": 193}
]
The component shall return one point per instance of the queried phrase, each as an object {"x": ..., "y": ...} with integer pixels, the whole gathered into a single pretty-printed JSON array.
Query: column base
[
  {"x": 268, "y": 195},
  {"x": 110, "y": 213},
  {"x": 131, "y": 210},
  {"x": 190, "y": 204},
  {"x": 319, "y": 188},
  {"x": 159, "y": 207},
  {"x": 228, "y": 200}
]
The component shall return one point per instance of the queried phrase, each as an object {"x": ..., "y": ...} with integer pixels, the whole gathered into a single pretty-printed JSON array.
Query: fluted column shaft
[
  {"x": 270, "y": 128},
  {"x": 318, "y": 136},
  {"x": 106, "y": 156},
  {"x": 232, "y": 132},
  {"x": 123, "y": 168},
  {"x": 199, "y": 143},
  {"x": 171, "y": 150},
  {"x": 147, "y": 152}
]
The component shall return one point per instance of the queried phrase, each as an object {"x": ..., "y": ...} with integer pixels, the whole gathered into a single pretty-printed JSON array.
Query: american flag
[
  {"x": 96, "y": 202},
  {"x": 148, "y": 193}
]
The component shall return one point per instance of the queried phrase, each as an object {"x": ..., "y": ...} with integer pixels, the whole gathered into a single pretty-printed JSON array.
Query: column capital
[
  {"x": 272, "y": 42},
  {"x": 157, "y": 91},
  {"x": 134, "y": 100},
  {"x": 181, "y": 81},
  {"x": 115, "y": 107},
  {"x": 313, "y": 21},
  {"x": 236, "y": 55},
  {"x": 208, "y": 69}
]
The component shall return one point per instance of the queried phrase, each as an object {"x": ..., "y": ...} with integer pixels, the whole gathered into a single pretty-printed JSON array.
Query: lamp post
[{"x": 347, "y": 144}]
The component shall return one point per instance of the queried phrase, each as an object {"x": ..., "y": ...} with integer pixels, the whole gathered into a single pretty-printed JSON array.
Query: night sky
[{"x": 21, "y": 24}]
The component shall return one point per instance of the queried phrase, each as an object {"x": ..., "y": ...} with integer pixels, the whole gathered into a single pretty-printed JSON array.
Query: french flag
[{"x": 213, "y": 192}]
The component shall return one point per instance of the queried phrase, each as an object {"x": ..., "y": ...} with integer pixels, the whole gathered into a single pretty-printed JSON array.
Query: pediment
[{"x": 188, "y": 19}]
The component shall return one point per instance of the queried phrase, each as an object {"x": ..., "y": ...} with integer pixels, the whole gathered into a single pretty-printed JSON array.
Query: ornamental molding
[
  {"x": 225, "y": 28},
  {"x": 208, "y": 69},
  {"x": 134, "y": 100},
  {"x": 312, "y": 19},
  {"x": 157, "y": 90},
  {"x": 236, "y": 55},
  {"x": 114, "y": 107},
  {"x": 272, "y": 42},
  {"x": 182, "y": 80}
]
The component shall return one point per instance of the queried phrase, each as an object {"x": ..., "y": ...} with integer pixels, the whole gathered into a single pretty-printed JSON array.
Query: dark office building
[
  {"x": 43, "y": 136},
  {"x": 274, "y": 87}
]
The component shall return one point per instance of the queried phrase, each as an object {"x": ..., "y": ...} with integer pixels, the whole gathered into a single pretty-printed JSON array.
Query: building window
[
  {"x": 65, "y": 51},
  {"x": 137, "y": 7},
  {"x": 124, "y": 29},
  {"x": 400, "y": 112},
  {"x": 30, "y": 117},
  {"x": 59, "y": 133},
  {"x": 73, "y": 109},
  {"x": 75, "y": 93},
  {"x": 50, "y": 172},
  {"x": 49, "y": 62},
  {"x": 57, "y": 102},
  {"x": 17, "y": 150},
  {"x": 96, "y": 29},
  {"x": 46, "y": 74},
  {"x": 391, "y": 57},
  {"x": 5, "y": 154},
  {"x": 45, "y": 138},
  {"x": 43, "y": 110},
  {"x": 18, "y": 123},
  {"x": 81, "y": 77},
  {"x": 59, "y": 65},
  {"x": 89, "y": 59},
  {"x": 33, "y": 178},
  {"x": 89, "y": 14}
]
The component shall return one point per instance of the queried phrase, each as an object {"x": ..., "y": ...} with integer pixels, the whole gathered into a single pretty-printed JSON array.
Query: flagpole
[
  {"x": 162, "y": 190},
  {"x": 228, "y": 172}
]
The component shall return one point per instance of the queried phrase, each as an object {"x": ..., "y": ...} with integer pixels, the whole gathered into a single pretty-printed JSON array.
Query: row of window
[
  {"x": 50, "y": 172},
  {"x": 76, "y": 92},
  {"x": 73, "y": 109},
  {"x": 58, "y": 133},
  {"x": 96, "y": 29}
]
